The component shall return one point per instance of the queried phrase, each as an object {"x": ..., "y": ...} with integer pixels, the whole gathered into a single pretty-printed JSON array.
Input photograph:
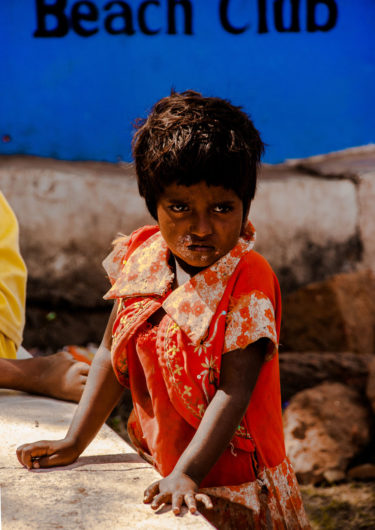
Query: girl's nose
[{"x": 201, "y": 226}]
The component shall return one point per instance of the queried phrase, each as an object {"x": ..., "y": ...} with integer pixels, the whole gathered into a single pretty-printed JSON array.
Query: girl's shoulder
[
  {"x": 123, "y": 247},
  {"x": 254, "y": 272},
  {"x": 138, "y": 237},
  {"x": 256, "y": 261}
]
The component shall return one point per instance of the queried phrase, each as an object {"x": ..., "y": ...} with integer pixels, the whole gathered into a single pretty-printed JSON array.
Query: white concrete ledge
[
  {"x": 102, "y": 489},
  {"x": 69, "y": 213}
]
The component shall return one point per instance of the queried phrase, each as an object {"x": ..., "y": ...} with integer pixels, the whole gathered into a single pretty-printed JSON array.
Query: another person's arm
[
  {"x": 238, "y": 376},
  {"x": 58, "y": 376},
  {"x": 102, "y": 392}
]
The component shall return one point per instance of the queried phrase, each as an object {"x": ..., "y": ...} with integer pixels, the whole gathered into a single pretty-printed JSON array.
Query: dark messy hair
[{"x": 187, "y": 139}]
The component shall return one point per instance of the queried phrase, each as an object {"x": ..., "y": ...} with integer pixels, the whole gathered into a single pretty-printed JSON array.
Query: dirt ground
[{"x": 349, "y": 506}]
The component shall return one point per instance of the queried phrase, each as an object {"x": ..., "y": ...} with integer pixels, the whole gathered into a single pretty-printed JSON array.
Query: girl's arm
[
  {"x": 102, "y": 392},
  {"x": 239, "y": 373}
]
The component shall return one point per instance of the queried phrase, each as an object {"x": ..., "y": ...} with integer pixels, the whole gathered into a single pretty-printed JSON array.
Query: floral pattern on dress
[
  {"x": 174, "y": 348},
  {"x": 274, "y": 498},
  {"x": 128, "y": 319},
  {"x": 250, "y": 317},
  {"x": 115, "y": 261},
  {"x": 146, "y": 272}
]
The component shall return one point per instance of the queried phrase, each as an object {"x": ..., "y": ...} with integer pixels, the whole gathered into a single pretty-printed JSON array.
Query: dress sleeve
[
  {"x": 115, "y": 260},
  {"x": 251, "y": 317}
]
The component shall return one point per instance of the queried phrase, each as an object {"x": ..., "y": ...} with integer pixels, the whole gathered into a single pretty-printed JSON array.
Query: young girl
[{"x": 195, "y": 325}]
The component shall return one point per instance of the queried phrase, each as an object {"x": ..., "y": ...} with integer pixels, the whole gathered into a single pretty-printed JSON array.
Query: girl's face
[{"x": 199, "y": 223}]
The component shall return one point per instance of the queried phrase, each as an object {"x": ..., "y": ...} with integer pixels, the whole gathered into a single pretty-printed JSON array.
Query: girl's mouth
[{"x": 201, "y": 248}]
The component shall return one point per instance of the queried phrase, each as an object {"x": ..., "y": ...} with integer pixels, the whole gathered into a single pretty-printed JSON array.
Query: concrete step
[{"x": 103, "y": 489}]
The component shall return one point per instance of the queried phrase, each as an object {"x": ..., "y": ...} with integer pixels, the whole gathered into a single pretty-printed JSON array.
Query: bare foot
[{"x": 62, "y": 377}]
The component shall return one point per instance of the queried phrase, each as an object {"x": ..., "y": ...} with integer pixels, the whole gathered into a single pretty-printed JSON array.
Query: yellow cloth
[
  {"x": 12, "y": 283},
  {"x": 7, "y": 348}
]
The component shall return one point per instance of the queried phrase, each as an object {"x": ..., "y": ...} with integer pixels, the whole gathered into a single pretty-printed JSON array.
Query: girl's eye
[
  {"x": 179, "y": 207},
  {"x": 222, "y": 208}
]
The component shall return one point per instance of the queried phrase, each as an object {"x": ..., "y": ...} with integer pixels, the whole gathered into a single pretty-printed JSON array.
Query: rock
[
  {"x": 334, "y": 476},
  {"x": 325, "y": 427},
  {"x": 337, "y": 314},
  {"x": 306, "y": 370},
  {"x": 363, "y": 472},
  {"x": 370, "y": 387}
]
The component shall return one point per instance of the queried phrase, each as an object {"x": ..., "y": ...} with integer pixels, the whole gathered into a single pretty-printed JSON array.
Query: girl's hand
[
  {"x": 47, "y": 453},
  {"x": 176, "y": 489}
]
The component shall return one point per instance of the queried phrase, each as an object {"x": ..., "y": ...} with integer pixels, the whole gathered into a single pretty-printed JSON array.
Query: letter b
[
  {"x": 57, "y": 11},
  {"x": 330, "y": 23}
]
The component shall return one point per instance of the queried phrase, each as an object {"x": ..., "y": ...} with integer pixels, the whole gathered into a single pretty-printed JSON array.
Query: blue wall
[{"x": 75, "y": 96}]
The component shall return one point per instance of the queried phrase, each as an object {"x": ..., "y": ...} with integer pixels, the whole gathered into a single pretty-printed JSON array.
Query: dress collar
[{"x": 193, "y": 304}]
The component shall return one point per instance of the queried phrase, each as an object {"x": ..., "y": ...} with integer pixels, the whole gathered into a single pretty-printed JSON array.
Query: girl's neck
[{"x": 183, "y": 271}]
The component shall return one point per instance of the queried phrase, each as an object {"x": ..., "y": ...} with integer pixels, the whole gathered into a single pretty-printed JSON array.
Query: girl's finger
[
  {"x": 150, "y": 492},
  {"x": 26, "y": 453},
  {"x": 24, "y": 457},
  {"x": 190, "y": 502},
  {"x": 177, "y": 503},
  {"x": 83, "y": 368},
  {"x": 48, "y": 461},
  {"x": 160, "y": 499},
  {"x": 205, "y": 499}
]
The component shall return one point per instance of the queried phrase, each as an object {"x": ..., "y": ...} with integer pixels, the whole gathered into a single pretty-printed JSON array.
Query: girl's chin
[{"x": 196, "y": 263}]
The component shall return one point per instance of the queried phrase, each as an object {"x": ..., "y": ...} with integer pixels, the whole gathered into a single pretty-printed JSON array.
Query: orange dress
[{"x": 173, "y": 369}]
